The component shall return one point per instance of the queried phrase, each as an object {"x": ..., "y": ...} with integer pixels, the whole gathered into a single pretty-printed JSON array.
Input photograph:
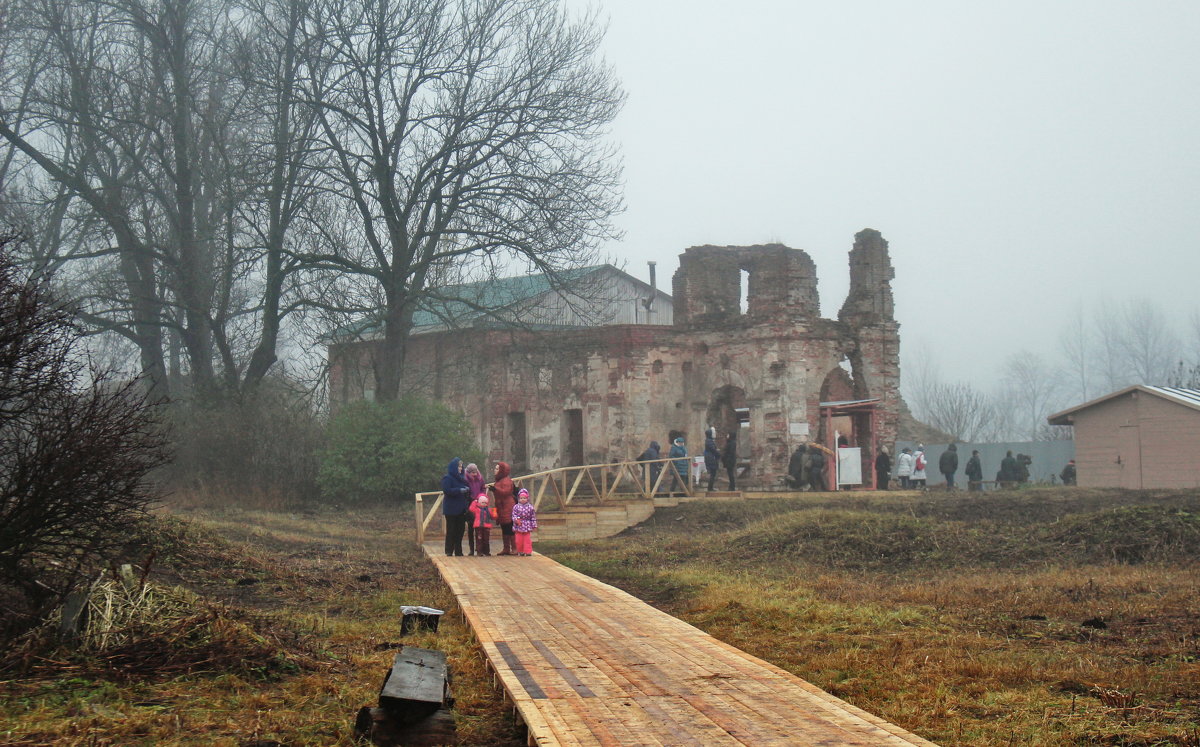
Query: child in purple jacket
[{"x": 524, "y": 522}]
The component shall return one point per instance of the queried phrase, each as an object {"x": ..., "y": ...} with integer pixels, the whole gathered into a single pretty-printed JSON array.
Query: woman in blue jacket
[{"x": 456, "y": 502}]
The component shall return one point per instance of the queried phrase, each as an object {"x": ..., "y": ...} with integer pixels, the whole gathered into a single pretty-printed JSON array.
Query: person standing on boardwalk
[
  {"x": 484, "y": 519},
  {"x": 475, "y": 482},
  {"x": 974, "y": 472},
  {"x": 652, "y": 453},
  {"x": 904, "y": 468},
  {"x": 679, "y": 449},
  {"x": 729, "y": 458},
  {"x": 712, "y": 457},
  {"x": 883, "y": 469},
  {"x": 456, "y": 501},
  {"x": 948, "y": 465},
  {"x": 502, "y": 492},
  {"x": 524, "y": 517}
]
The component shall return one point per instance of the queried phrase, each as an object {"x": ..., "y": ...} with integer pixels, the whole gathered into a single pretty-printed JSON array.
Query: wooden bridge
[{"x": 584, "y": 663}]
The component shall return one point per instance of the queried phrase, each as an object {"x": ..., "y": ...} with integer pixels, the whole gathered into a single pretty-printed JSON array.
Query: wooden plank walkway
[{"x": 587, "y": 664}]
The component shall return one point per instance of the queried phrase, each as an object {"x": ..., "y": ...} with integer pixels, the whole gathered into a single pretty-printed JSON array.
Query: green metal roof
[{"x": 493, "y": 294}]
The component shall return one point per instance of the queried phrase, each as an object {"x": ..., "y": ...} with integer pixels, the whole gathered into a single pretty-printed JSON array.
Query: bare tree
[
  {"x": 1029, "y": 391},
  {"x": 1151, "y": 350},
  {"x": 464, "y": 135},
  {"x": 1074, "y": 343},
  {"x": 963, "y": 411}
]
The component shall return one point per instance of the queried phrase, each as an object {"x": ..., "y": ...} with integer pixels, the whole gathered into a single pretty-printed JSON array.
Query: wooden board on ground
[{"x": 587, "y": 664}]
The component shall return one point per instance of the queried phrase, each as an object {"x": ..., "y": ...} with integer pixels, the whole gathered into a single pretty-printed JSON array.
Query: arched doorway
[{"x": 729, "y": 413}]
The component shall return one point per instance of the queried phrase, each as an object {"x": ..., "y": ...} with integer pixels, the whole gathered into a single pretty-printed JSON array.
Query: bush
[
  {"x": 76, "y": 448},
  {"x": 260, "y": 449},
  {"x": 386, "y": 451}
]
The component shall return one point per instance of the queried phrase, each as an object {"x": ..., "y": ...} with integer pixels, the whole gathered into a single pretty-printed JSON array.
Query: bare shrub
[{"x": 76, "y": 448}]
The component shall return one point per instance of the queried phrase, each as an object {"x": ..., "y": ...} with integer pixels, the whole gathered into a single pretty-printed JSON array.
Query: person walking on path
[
  {"x": 653, "y": 452},
  {"x": 478, "y": 487},
  {"x": 679, "y": 454},
  {"x": 797, "y": 467},
  {"x": 1069, "y": 475},
  {"x": 484, "y": 519},
  {"x": 919, "y": 465},
  {"x": 456, "y": 501},
  {"x": 502, "y": 492},
  {"x": 904, "y": 468},
  {"x": 712, "y": 457},
  {"x": 883, "y": 469},
  {"x": 816, "y": 467},
  {"x": 948, "y": 465},
  {"x": 974, "y": 472},
  {"x": 524, "y": 517},
  {"x": 729, "y": 458},
  {"x": 1007, "y": 475}
]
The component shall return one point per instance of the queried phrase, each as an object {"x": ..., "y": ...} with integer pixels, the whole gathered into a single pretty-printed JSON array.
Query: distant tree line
[
  {"x": 211, "y": 182},
  {"x": 1116, "y": 345}
]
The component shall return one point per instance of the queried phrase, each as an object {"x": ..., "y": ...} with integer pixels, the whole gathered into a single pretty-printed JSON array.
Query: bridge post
[{"x": 419, "y": 512}]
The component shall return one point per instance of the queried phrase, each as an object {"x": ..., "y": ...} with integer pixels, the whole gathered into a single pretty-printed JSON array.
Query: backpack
[{"x": 920, "y": 461}]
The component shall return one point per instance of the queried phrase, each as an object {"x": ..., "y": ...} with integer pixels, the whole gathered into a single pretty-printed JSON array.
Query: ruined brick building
[{"x": 775, "y": 372}]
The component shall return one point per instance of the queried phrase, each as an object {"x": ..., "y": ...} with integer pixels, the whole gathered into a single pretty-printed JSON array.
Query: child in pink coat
[
  {"x": 524, "y": 522},
  {"x": 484, "y": 519}
]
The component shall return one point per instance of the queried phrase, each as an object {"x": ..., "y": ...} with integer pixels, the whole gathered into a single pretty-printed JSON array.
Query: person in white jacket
[
  {"x": 904, "y": 467},
  {"x": 919, "y": 464}
]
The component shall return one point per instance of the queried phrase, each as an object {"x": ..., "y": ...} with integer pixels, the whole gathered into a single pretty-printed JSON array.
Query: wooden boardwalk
[{"x": 587, "y": 664}]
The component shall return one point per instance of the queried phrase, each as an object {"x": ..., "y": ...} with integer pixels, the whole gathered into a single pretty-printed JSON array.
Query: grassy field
[
  {"x": 1034, "y": 617},
  {"x": 287, "y": 627},
  {"x": 1039, "y": 617}
]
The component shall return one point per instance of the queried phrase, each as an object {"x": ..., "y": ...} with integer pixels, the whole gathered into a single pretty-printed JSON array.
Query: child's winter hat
[
  {"x": 482, "y": 498},
  {"x": 523, "y": 492}
]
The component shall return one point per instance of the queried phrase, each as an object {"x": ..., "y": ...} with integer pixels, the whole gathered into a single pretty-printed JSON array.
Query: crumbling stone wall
[{"x": 634, "y": 383}]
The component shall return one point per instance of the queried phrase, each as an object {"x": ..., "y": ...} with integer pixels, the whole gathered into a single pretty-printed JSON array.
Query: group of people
[
  {"x": 714, "y": 458},
  {"x": 806, "y": 467},
  {"x": 466, "y": 504}
]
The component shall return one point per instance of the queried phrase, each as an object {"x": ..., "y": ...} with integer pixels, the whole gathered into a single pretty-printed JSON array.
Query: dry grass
[
  {"x": 292, "y": 621},
  {"x": 996, "y": 622}
]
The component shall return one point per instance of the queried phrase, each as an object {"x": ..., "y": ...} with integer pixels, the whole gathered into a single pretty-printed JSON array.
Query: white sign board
[
  {"x": 849, "y": 470},
  {"x": 798, "y": 429}
]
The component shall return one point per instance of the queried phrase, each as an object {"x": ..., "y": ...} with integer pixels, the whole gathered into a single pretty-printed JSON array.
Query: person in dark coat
[
  {"x": 883, "y": 469},
  {"x": 796, "y": 465},
  {"x": 712, "y": 457},
  {"x": 948, "y": 465},
  {"x": 1023, "y": 462},
  {"x": 1008, "y": 469},
  {"x": 456, "y": 503},
  {"x": 974, "y": 472},
  {"x": 816, "y": 469},
  {"x": 1068, "y": 473},
  {"x": 729, "y": 458},
  {"x": 652, "y": 452},
  {"x": 679, "y": 454}
]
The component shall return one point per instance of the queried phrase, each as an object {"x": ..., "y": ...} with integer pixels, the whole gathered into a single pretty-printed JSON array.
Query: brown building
[
  {"x": 762, "y": 366},
  {"x": 1139, "y": 437}
]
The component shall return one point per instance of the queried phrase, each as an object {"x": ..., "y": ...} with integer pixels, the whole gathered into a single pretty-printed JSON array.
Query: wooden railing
[{"x": 603, "y": 482}]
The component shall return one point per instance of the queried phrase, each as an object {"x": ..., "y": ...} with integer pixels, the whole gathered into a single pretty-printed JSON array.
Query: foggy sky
[{"x": 1021, "y": 158}]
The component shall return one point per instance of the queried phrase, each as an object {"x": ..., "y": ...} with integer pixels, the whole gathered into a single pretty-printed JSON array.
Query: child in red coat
[{"x": 484, "y": 519}]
